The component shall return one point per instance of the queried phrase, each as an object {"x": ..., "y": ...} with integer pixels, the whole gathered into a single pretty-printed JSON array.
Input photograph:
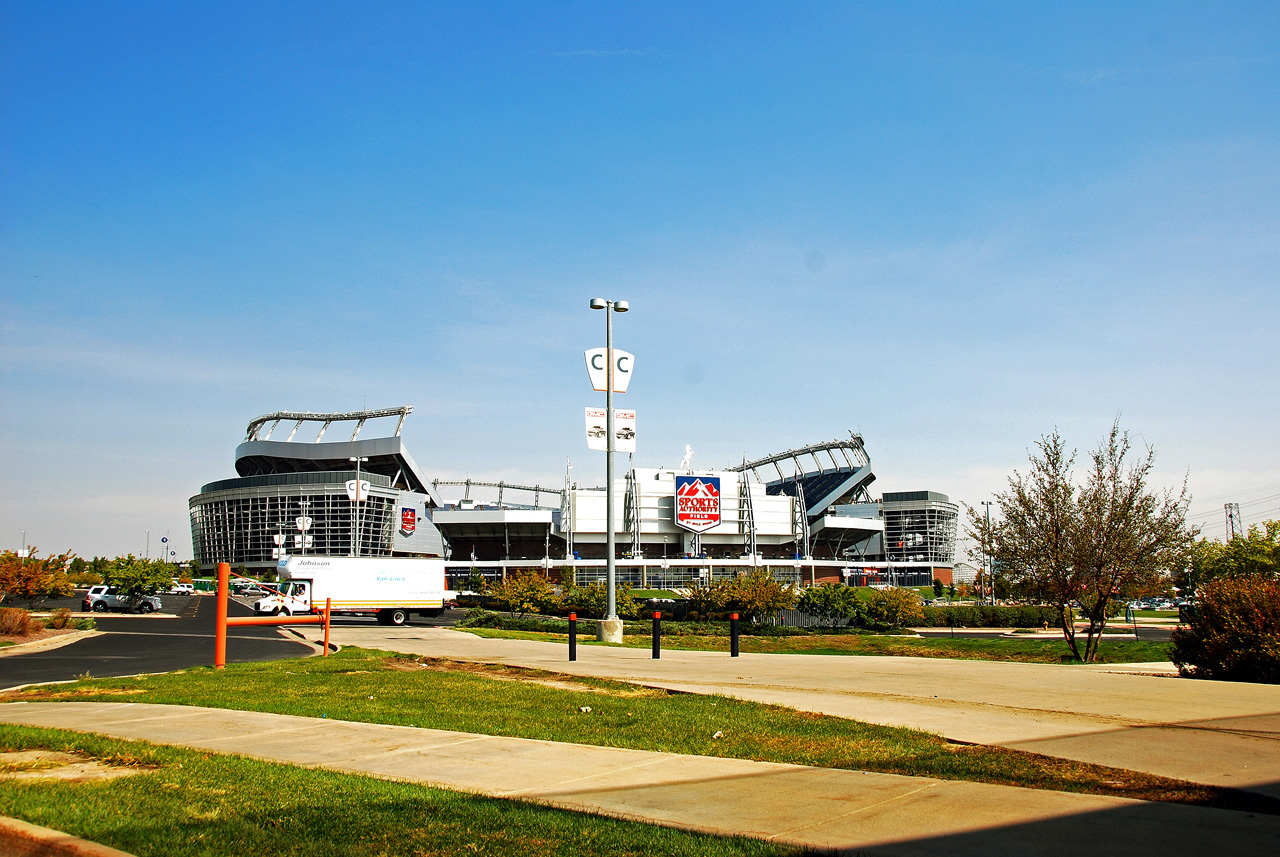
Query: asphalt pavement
[{"x": 178, "y": 638}]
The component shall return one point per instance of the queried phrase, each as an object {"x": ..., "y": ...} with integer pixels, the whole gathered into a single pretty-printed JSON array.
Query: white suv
[{"x": 100, "y": 599}]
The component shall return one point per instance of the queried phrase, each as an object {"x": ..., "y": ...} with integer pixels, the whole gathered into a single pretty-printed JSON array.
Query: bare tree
[{"x": 1107, "y": 539}]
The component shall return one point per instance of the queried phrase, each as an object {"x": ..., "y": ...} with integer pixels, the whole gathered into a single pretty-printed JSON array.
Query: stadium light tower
[{"x": 611, "y": 611}]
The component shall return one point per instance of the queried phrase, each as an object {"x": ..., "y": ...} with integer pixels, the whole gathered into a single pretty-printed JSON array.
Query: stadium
[{"x": 806, "y": 514}]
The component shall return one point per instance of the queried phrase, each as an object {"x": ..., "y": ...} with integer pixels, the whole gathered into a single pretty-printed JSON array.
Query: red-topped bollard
[
  {"x": 573, "y": 636},
  {"x": 733, "y": 635},
  {"x": 657, "y": 634}
]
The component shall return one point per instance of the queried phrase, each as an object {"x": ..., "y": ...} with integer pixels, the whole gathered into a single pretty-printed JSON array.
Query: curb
[
  {"x": 20, "y": 839},
  {"x": 47, "y": 643}
]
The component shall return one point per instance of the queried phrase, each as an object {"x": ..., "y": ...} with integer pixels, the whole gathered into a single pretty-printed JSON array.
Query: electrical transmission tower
[{"x": 1235, "y": 527}]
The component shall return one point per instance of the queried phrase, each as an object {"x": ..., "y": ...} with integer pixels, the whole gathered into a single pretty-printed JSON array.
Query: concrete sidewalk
[
  {"x": 1219, "y": 733},
  {"x": 844, "y": 811}
]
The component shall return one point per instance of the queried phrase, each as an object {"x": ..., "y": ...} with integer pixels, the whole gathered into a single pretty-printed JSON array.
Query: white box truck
[{"x": 389, "y": 589}]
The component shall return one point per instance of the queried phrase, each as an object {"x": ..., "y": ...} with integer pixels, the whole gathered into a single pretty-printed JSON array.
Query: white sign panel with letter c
[{"x": 597, "y": 369}]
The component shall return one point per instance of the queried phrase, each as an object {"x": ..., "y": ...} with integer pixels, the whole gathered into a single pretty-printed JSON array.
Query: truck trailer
[{"x": 389, "y": 589}]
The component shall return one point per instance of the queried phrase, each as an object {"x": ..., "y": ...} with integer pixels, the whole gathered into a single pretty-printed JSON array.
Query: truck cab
[{"x": 294, "y": 598}]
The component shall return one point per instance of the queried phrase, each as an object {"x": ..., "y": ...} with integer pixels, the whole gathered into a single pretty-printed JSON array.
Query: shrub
[
  {"x": 988, "y": 616},
  {"x": 59, "y": 619},
  {"x": 17, "y": 622},
  {"x": 895, "y": 608},
  {"x": 1234, "y": 632},
  {"x": 833, "y": 604},
  {"x": 525, "y": 592},
  {"x": 591, "y": 601},
  {"x": 756, "y": 594},
  {"x": 85, "y": 578}
]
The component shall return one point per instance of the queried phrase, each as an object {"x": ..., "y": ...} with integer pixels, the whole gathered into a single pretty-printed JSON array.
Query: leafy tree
[
  {"x": 1257, "y": 553},
  {"x": 525, "y": 592},
  {"x": 757, "y": 594},
  {"x": 895, "y": 608},
  {"x": 705, "y": 599},
  {"x": 32, "y": 579},
  {"x": 592, "y": 600},
  {"x": 937, "y": 588},
  {"x": 475, "y": 582},
  {"x": 134, "y": 577},
  {"x": 1107, "y": 539},
  {"x": 951, "y": 591},
  {"x": 100, "y": 565},
  {"x": 1234, "y": 631},
  {"x": 832, "y": 602}
]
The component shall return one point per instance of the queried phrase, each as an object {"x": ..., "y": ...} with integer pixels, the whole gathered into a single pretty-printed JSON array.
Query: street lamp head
[
  {"x": 621, "y": 306},
  {"x": 599, "y": 303}
]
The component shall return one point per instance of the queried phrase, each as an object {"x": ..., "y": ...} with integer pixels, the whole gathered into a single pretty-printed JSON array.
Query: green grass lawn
[
  {"x": 380, "y": 687},
  {"x": 193, "y": 803},
  {"x": 1113, "y": 651}
]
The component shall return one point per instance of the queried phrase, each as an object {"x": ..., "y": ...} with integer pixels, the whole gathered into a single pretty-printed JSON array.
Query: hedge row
[
  {"x": 479, "y": 618},
  {"x": 987, "y": 616}
]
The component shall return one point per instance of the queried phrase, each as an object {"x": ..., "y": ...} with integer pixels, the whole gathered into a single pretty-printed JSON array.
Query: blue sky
[{"x": 951, "y": 227}]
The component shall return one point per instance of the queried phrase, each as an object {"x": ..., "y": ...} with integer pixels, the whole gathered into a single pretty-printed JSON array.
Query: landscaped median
[
  {"x": 185, "y": 802},
  {"x": 776, "y": 639},
  {"x": 379, "y": 687}
]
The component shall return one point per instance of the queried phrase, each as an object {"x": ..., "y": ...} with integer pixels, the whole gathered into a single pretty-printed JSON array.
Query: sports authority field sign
[{"x": 697, "y": 502}]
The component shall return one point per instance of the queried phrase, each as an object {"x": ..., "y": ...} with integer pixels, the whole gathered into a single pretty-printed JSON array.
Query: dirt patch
[
  {"x": 63, "y": 767},
  {"x": 502, "y": 672},
  {"x": 44, "y": 634}
]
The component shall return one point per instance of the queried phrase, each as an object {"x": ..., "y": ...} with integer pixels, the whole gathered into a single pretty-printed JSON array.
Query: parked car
[
  {"x": 101, "y": 599},
  {"x": 182, "y": 589},
  {"x": 251, "y": 590}
]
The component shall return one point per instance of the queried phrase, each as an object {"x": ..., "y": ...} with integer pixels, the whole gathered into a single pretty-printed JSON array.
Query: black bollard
[
  {"x": 657, "y": 634},
  {"x": 733, "y": 635},
  {"x": 573, "y": 636}
]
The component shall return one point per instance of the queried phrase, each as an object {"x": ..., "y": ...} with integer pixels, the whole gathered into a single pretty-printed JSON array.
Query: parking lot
[{"x": 178, "y": 637}]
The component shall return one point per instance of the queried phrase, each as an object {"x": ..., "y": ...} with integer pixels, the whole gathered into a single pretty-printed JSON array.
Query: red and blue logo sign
[
  {"x": 408, "y": 521},
  {"x": 697, "y": 502}
]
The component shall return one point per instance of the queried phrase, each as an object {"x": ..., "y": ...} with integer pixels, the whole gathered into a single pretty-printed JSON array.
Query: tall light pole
[
  {"x": 610, "y": 307},
  {"x": 991, "y": 584},
  {"x": 355, "y": 512}
]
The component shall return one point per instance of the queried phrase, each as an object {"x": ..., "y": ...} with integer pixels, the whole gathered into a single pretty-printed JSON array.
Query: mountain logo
[{"x": 697, "y": 502}]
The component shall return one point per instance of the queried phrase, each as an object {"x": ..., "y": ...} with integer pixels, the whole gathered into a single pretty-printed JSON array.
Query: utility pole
[{"x": 991, "y": 584}]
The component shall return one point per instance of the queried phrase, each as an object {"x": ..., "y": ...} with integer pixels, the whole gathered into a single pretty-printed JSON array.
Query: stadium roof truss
[
  {"x": 358, "y": 417},
  {"x": 260, "y": 455},
  {"x": 822, "y": 474}
]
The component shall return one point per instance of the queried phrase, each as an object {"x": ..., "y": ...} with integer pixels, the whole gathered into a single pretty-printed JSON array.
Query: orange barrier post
[
  {"x": 220, "y": 639},
  {"x": 328, "y": 611}
]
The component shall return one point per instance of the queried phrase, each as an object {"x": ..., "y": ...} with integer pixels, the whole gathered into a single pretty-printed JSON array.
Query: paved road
[
  {"x": 848, "y": 812},
  {"x": 150, "y": 644},
  {"x": 1221, "y": 733}
]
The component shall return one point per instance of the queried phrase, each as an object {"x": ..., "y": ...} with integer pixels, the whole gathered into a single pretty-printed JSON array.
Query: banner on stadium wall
[
  {"x": 408, "y": 521},
  {"x": 697, "y": 502}
]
